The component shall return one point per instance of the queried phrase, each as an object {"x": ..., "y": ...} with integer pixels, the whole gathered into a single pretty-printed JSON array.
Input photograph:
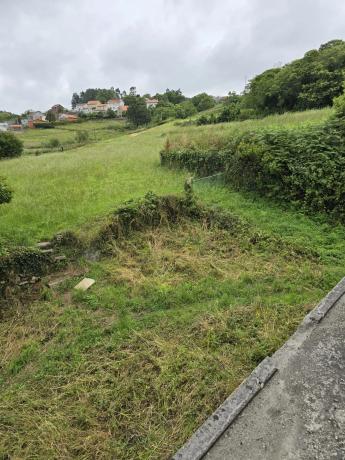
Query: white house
[
  {"x": 3, "y": 127},
  {"x": 97, "y": 106},
  {"x": 115, "y": 104},
  {"x": 151, "y": 103}
]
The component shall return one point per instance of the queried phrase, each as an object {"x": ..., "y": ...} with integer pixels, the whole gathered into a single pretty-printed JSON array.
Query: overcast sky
[{"x": 49, "y": 49}]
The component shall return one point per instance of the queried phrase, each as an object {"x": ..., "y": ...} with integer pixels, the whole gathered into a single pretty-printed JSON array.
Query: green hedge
[{"x": 305, "y": 166}]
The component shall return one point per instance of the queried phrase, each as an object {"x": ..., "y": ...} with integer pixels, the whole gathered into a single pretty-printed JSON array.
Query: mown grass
[
  {"x": 177, "y": 318},
  {"x": 178, "y": 315}
]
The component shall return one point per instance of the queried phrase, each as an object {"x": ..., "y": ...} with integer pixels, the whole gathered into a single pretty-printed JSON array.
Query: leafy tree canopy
[
  {"x": 310, "y": 82},
  {"x": 137, "y": 112},
  {"x": 203, "y": 101}
]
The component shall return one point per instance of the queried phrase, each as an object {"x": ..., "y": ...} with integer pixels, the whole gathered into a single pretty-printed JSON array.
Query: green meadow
[{"x": 179, "y": 314}]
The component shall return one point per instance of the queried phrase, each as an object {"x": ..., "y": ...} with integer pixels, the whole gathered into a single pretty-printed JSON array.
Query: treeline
[{"x": 307, "y": 83}]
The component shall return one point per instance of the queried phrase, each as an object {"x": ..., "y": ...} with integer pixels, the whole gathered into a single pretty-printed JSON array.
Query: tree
[
  {"x": 110, "y": 113},
  {"x": 75, "y": 100},
  {"x": 203, "y": 101},
  {"x": 174, "y": 96},
  {"x": 163, "y": 111},
  {"x": 137, "y": 112},
  {"x": 310, "y": 82},
  {"x": 185, "y": 109},
  {"x": 50, "y": 116},
  {"x": 10, "y": 145}
]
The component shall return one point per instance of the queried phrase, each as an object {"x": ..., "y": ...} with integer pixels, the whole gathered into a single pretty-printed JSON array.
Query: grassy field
[
  {"x": 221, "y": 131},
  {"x": 37, "y": 139},
  {"x": 67, "y": 190},
  {"x": 178, "y": 315}
]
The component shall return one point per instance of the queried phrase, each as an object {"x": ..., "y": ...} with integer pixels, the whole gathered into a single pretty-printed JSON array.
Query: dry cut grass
[{"x": 177, "y": 318}]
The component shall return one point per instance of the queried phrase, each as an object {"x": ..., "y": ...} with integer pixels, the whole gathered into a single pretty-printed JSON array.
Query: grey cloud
[{"x": 50, "y": 49}]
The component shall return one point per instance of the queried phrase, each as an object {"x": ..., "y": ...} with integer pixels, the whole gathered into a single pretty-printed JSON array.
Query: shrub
[
  {"x": 5, "y": 192},
  {"x": 53, "y": 143},
  {"x": 43, "y": 125},
  {"x": 339, "y": 106},
  {"x": 10, "y": 145},
  {"x": 81, "y": 137}
]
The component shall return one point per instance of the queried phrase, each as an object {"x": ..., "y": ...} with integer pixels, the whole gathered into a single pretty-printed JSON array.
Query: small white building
[
  {"x": 3, "y": 126},
  {"x": 97, "y": 106},
  {"x": 151, "y": 103},
  {"x": 115, "y": 104}
]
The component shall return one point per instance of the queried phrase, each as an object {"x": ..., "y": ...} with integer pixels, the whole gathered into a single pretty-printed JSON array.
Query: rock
[
  {"x": 47, "y": 251},
  {"x": 34, "y": 279},
  {"x": 44, "y": 245},
  {"x": 85, "y": 284},
  {"x": 59, "y": 258}
]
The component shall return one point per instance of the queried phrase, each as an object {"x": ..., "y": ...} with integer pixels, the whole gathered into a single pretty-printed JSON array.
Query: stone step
[{"x": 84, "y": 284}]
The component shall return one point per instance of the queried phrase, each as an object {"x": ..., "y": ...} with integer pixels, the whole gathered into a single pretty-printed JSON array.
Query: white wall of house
[
  {"x": 3, "y": 126},
  {"x": 91, "y": 108},
  {"x": 115, "y": 104}
]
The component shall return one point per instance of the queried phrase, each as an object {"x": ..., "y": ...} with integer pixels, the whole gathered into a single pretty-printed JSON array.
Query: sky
[{"x": 52, "y": 48}]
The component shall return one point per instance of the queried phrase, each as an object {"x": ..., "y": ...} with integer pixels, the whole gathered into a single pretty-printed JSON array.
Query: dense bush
[
  {"x": 44, "y": 125},
  {"x": 230, "y": 112},
  {"x": 305, "y": 165},
  {"x": 10, "y": 145},
  {"x": 53, "y": 143},
  {"x": 5, "y": 192}
]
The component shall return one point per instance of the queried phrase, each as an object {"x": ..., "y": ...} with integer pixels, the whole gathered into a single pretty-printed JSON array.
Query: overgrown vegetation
[
  {"x": 302, "y": 166},
  {"x": 10, "y": 145},
  {"x": 181, "y": 312},
  {"x": 188, "y": 297},
  {"x": 5, "y": 192}
]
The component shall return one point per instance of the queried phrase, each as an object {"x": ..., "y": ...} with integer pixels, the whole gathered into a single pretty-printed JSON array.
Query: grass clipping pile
[{"x": 187, "y": 301}]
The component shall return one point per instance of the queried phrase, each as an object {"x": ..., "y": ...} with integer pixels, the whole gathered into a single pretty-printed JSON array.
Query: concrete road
[{"x": 300, "y": 413}]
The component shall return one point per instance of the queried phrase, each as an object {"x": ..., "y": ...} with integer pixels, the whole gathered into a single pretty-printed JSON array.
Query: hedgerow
[{"x": 305, "y": 165}]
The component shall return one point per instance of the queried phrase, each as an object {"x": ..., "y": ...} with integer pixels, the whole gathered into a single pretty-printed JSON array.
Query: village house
[
  {"x": 117, "y": 105},
  {"x": 151, "y": 103},
  {"x": 70, "y": 117},
  {"x": 3, "y": 126}
]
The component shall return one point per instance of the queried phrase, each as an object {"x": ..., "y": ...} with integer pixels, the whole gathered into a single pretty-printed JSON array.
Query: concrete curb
[{"x": 204, "y": 438}]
